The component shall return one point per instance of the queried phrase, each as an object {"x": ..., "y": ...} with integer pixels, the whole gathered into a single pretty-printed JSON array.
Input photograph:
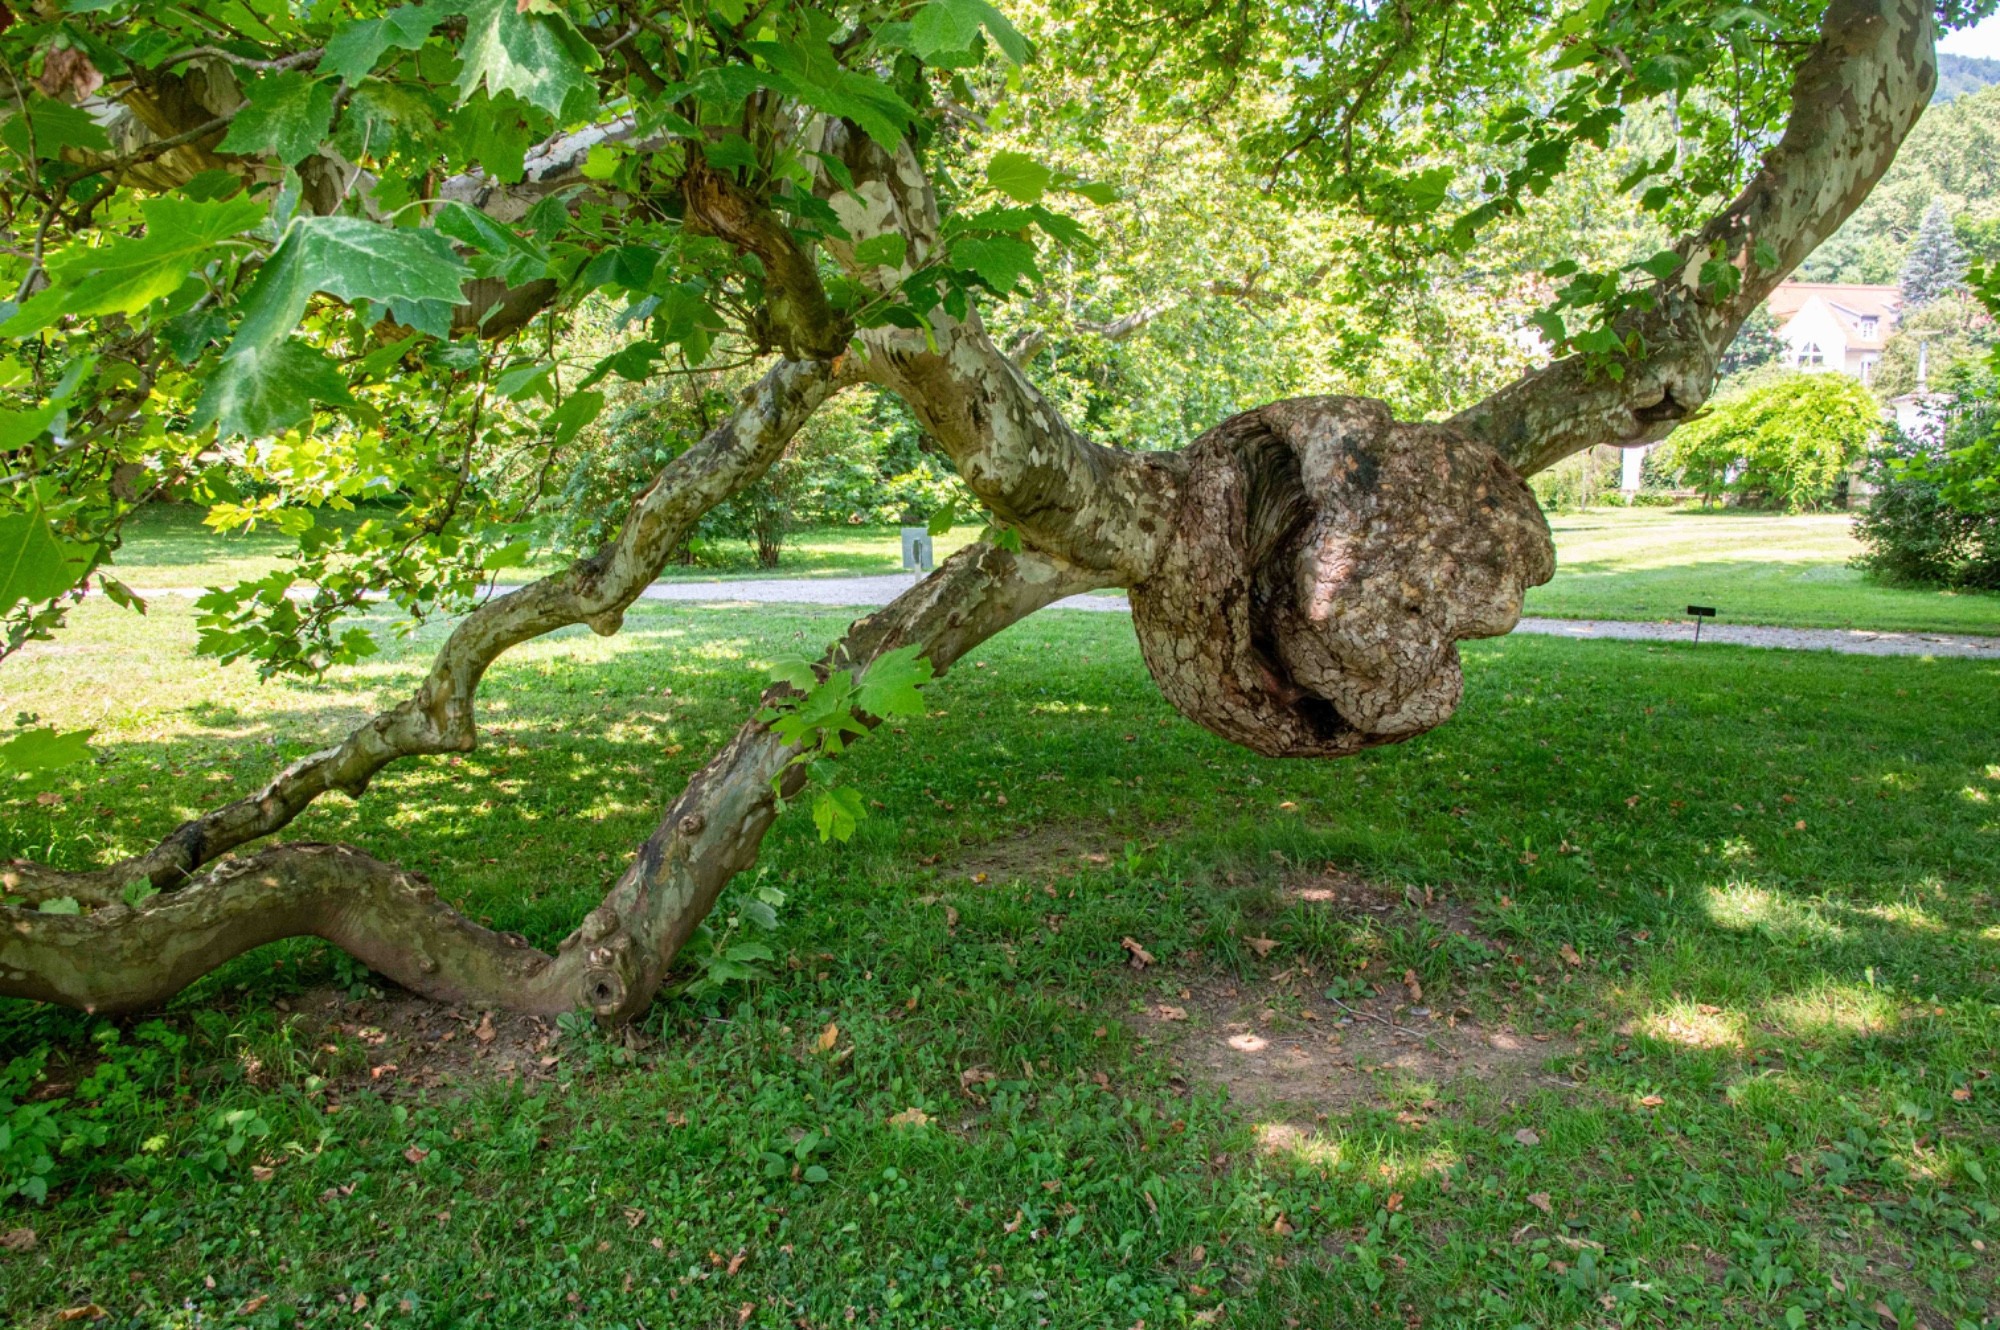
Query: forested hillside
[
  {"x": 1960, "y": 74},
  {"x": 1953, "y": 154}
]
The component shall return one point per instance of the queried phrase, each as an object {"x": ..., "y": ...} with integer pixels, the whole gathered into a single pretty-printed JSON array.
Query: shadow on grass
[{"x": 1775, "y": 873}]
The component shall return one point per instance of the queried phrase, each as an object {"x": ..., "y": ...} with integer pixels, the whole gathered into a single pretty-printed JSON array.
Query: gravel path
[
  {"x": 1853, "y": 641},
  {"x": 880, "y": 590}
]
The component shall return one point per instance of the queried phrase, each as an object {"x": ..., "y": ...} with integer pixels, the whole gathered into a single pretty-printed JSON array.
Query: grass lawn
[
  {"x": 1651, "y": 563},
  {"x": 1678, "y": 973},
  {"x": 1643, "y": 563}
]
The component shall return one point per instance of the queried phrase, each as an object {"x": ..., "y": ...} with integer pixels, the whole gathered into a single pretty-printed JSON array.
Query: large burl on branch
[
  {"x": 1300, "y": 576},
  {"x": 1324, "y": 563}
]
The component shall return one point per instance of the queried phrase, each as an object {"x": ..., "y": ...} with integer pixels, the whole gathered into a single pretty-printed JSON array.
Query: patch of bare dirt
[
  {"x": 1038, "y": 853},
  {"x": 1282, "y": 1043},
  {"x": 1273, "y": 1046},
  {"x": 401, "y": 1043}
]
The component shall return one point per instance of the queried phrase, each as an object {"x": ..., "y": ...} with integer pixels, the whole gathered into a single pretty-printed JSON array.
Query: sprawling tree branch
[
  {"x": 119, "y": 959},
  {"x": 439, "y": 717},
  {"x": 1856, "y": 97}
]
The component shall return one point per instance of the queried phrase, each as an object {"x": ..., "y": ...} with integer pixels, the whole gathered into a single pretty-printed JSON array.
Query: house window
[
  {"x": 1868, "y": 329},
  {"x": 1868, "y": 368},
  {"x": 1810, "y": 354}
]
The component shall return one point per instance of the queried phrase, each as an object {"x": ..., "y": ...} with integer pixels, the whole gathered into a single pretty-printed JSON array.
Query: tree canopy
[{"x": 284, "y": 261}]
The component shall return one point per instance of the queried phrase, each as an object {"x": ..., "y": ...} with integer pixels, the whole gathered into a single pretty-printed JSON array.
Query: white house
[{"x": 1835, "y": 326}]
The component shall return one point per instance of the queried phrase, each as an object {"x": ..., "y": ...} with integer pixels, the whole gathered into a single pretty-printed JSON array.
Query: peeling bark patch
[{"x": 1325, "y": 563}]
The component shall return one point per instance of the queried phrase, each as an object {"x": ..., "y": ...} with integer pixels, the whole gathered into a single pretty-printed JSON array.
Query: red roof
[{"x": 1850, "y": 301}]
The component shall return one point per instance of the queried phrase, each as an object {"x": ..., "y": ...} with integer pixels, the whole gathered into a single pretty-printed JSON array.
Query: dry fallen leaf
[
  {"x": 736, "y": 1261},
  {"x": 1569, "y": 955},
  {"x": 950, "y": 918},
  {"x": 1527, "y": 1136},
  {"x": 1410, "y": 982},
  {"x": 1013, "y": 1224},
  {"x": 484, "y": 1034},
  {"x": 1168, "y": 1013},
  {"x": 909, "y": 1117},
  {"x": 827, "y": 1037},
  {"x": 1141, "y": 958},
  {"x": 1540, "y": 1200},
  {"x": 1394, "y": 1203},
  {"x": 253, "y": 1306},
  {"x": 1261, "y": 945},
  {"x": 1962, "y": 1093},
  {"x": 415, "y": 1155},
  {"x": 1282, "y": 1227},
  {"x": 1209, "y": 1317},
  {"x": 1652, "y": 1101},
  {"x": 90, "y": 1311},
  {"x": 17, "y": 1239},
  {"x": 259, "y": 1173}
]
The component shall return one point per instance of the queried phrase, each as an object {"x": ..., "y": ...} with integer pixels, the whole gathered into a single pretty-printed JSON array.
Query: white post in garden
[{"x": 1629, "y": 468}]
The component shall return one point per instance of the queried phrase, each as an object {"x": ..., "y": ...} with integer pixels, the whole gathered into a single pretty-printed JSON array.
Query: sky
[{"x": 1982, "y": 41}]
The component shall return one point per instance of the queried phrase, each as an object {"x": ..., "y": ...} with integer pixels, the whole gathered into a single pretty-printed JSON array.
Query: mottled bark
[
  {"x": 439, "y": 717},
  {"x": 120, "y": 959},
  {"x": 1324, "y": 565},
  {"x": 1300, "y": 575},
  {"x": 1854, "y": 100}
]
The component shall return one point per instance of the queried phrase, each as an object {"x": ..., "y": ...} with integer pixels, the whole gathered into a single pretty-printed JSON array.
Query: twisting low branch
[
  {"x": 439, "y": 717},
  {"x": 121, "y": 959}
]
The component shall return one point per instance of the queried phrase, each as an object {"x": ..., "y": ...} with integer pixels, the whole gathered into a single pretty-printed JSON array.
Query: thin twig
[
  {"x": 292, "y": 61},
  {"x": 1365, "y": 1015}
]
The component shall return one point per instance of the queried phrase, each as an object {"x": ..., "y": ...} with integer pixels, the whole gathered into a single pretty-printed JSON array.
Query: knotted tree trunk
[{"x": 1300, "y": 575}]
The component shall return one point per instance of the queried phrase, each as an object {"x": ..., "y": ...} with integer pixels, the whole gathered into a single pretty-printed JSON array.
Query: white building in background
[
  {"x": 1826, "y": 326},
  {"x": 1834, "y": 326}
]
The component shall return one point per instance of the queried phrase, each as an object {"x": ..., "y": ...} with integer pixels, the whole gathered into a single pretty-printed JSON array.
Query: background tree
[
  {"x": 1756, "y": 345},
  {"x": 344, "y": 253},
  {"x": 1937, "y": 263},
  {"x": 1785, "y": 440},
  {"x": 1952, "y": 155}
]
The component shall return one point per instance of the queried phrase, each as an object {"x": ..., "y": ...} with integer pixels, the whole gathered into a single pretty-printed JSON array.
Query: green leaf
[
  {"x": 576, "y": 411},
  {"x": 69, "y": 905},
  {"x": 517, "y": 382},
  {"x": 34, "y": 565},
  {"x": 56, "y": 126},
  {"x": 947, "y": 27},
  {"x": 267, "y": 383},
  {"x": 883, "y": 251},
  {"x": 356, "y": 46},
  {"x": 943, "y": 27},
  {"x": 814, "y": 75},
  {"x": 1018, "y": 176},
  {"x": 262, "y": 390},
  {"x": 942, "y": 519},
  {"x": 128, "y": 274},
  {"x": 43, "y": 750},
  {"x": 796, "y": 671},
  {"x": 538, "y": 57},
  {"x": 1765, "y": 254},
  {"x": 1096, "y": 191},
  {"x": 999, "y": 261},
  {"x": 286, "y": 115},
  {"x": 890, "y": 686},
  {"x": 1663, "y": 265},
  {"x": 837, "y": 812},
  {"x": 137, "y": 892}
]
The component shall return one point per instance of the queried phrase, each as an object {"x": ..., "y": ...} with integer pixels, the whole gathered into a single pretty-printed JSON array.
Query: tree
[
  {"x": 345, "y": 256},
  {"x": 1785, "y": 439},
  {"x": 1756, "y": 345},
  {"x": 1936, "y": 266}
]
